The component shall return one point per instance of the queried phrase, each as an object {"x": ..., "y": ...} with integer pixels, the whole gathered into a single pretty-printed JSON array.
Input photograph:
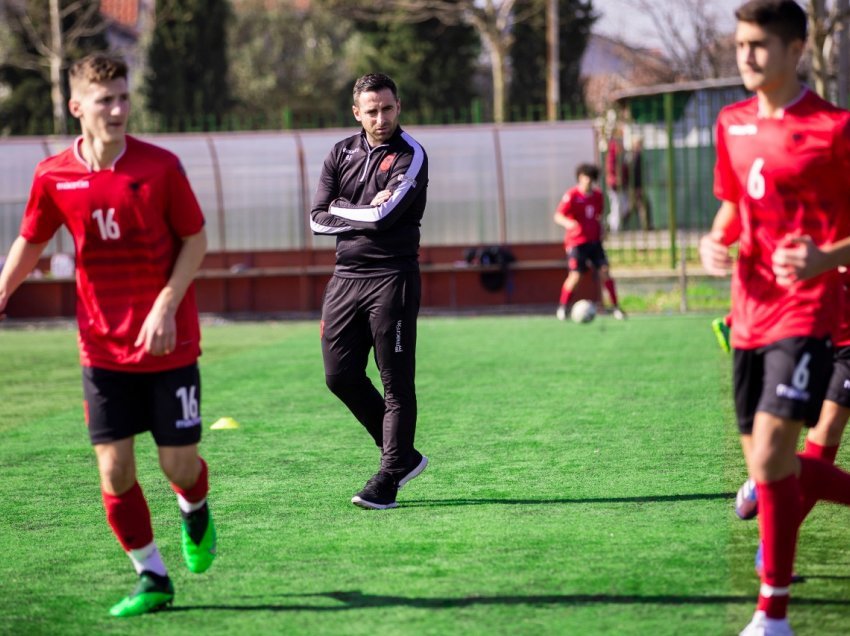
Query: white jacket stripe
[{"x": 408, "y": 181}]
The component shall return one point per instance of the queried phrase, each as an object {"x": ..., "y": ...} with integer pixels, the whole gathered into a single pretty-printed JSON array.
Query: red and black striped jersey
[{"x": 128, "y": 223}]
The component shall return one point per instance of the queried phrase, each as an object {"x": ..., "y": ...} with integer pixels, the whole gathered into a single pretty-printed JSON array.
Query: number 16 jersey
[
  {"x": 128, "y": 223},
  {"x": 789, "y": 177}
]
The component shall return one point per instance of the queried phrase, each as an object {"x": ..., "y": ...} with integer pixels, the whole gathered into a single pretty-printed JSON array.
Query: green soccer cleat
[
  {"x": 152, "y": 593},
  {"x": 198, "y": 554},
  {"x": 721, "y": 331}
]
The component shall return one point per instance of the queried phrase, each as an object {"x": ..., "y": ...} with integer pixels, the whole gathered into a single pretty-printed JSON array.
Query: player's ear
[
  {"x": 797, "y": 47},
  {"x": 356, "y": 112},
  {"x": 74, "y": 107}
]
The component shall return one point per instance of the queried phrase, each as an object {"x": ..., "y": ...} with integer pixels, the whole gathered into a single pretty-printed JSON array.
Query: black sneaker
[
  {"x": 378, "y": 493},
  {"x": 416, "y": 467}
]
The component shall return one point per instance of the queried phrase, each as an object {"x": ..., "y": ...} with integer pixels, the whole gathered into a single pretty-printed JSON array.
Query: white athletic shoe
[
  {"x": 561, "y": 313},
  {"x": 746, "y": 501},
  {"x": 761, "y": 625},
  {"x": 619, "y": 314}
]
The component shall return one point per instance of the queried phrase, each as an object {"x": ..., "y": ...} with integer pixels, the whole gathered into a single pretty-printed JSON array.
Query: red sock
[
  {"x": 197, "y": 492},
  {"x": 826, "y": 453},
  {"x": 566, "y": 294},
  {"x": 815, "y": 451},
  {"x": 822, "y": 480},
  {"x": 129, "y": 517},
  {"x": 612, "y": 291},
  {"x": 779, "y": 520}
]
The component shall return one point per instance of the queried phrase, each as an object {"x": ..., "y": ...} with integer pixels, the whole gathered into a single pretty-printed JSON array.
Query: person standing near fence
[
  {"x": 638, "y": 200},
  {"x": 371, "y": 196},
  {"x": 782, "y": 161},
  {"x": 617, "y": 181},
  {"x": 140, "y": 238}
]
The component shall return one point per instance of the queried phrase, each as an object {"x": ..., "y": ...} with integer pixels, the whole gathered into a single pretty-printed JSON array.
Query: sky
[{"x": 620, "y": 18}]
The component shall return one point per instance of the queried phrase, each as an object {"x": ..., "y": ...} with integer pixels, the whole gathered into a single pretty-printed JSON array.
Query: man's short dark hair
[
  {"x": 588, "y": 170},
  {"x": 374, "y": 82},
  {"x": 784, "y": 18}
]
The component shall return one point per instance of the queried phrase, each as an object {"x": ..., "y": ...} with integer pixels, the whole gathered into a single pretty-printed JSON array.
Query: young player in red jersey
[
  {"x": 140, "y": 238},
  {"x": 580, "y": 214},
  {"x": 782, "y": 160}
]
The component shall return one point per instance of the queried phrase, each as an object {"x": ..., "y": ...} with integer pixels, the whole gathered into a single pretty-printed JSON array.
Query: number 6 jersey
[
  {"x": 128, "y": 223},
  {"x": 789, "y": 177}
]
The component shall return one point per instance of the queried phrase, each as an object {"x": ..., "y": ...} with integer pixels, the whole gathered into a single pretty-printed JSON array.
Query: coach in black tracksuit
[{"x": 371, "y": 196}]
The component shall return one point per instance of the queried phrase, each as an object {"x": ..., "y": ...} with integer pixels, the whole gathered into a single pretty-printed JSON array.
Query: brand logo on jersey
[
  {"x": 398, "y": 348},
  {"x": 847, "y": 384},
  {"x": 742, "y": 130},
  {"x": 797, "y": 138},
  {"x": 792, "y": 393},
  {"x": 349, "y": 153},
  {"x": 72, "y": 185},
  {"x": 387, "y": 163}
]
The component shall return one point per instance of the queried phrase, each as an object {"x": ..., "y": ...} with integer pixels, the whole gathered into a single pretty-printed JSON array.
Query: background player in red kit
[
  {"x": 580, "y": 214},
  {"x": 139, "y": 237},
  {"x": 782, "y": 160}
]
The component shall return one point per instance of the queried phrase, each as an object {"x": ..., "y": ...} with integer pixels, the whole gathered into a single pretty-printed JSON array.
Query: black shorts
[
  {"x": 361, "y": 313},
  {"x": 166, "y": 403},
  {"x": 582, "y": 257},
  {"x": 839, "y": 383},
  {"x": 787, "y": 378}
]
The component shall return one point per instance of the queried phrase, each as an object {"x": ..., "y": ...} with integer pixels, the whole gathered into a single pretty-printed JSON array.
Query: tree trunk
[
  {"x": 817, "y": 39},
  {"x": 553, "y": 57},
  {"x": 841, "y": 7},
  {"x": 498, "y": 61},
  {"x": 60, "y": 124}
]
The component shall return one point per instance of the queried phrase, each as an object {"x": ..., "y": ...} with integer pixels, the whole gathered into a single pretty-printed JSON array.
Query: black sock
[{"x": 196, "y": 522}]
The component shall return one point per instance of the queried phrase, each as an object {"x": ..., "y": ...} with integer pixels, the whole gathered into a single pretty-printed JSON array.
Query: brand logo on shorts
[
  {"x": 398, "y": 348},
  {"x": 189, "y": 423},
  {"x": 783, "y": 390}
]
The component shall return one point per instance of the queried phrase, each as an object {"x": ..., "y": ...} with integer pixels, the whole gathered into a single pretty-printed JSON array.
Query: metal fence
[{"x": 675, "y": 125}]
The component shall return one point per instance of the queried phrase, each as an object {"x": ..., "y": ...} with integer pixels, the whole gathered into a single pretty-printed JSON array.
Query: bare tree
[
  {"x": 492, "y": 19},
  {"x": 48, "y": 42},
  {"x": 692, "y": 36},
  {"x": 829, "y": 48}
]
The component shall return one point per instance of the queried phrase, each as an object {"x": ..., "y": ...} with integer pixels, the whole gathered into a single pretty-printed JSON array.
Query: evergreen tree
[
  {"x": 291, "y": 60},
  {"x": 528, "y": 86},
  {"x": 432, "y": 63},
  {"x": 187, "y": 83}
]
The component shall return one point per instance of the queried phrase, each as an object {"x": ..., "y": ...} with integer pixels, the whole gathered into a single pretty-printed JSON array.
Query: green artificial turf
[{"x": 581, "y": 482}]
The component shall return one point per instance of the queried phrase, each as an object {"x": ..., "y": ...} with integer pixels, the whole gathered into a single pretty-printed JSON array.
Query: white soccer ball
[{"x": 583, "y": 311}]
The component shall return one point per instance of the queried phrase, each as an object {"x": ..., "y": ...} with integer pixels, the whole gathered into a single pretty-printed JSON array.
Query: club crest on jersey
[
  {"x": 387, "y": 162},
  {"x": 72, "y": 185},
  {"x": 743, "y": 130}
]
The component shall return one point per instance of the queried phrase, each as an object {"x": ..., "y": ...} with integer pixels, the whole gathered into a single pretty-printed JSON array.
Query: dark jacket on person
[{"x": 372, "y": 240}]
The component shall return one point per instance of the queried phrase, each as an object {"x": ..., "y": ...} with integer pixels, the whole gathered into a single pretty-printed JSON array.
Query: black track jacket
[{"x": 372, "y": 240}]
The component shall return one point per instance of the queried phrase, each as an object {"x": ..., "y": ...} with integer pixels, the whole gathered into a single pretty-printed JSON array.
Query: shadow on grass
[
  {"x": 359, "y": 600},
  {"x": 469, "y": 501}
]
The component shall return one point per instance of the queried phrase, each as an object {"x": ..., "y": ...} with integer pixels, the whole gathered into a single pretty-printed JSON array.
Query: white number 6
[{"x": 755, "y": 180}]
